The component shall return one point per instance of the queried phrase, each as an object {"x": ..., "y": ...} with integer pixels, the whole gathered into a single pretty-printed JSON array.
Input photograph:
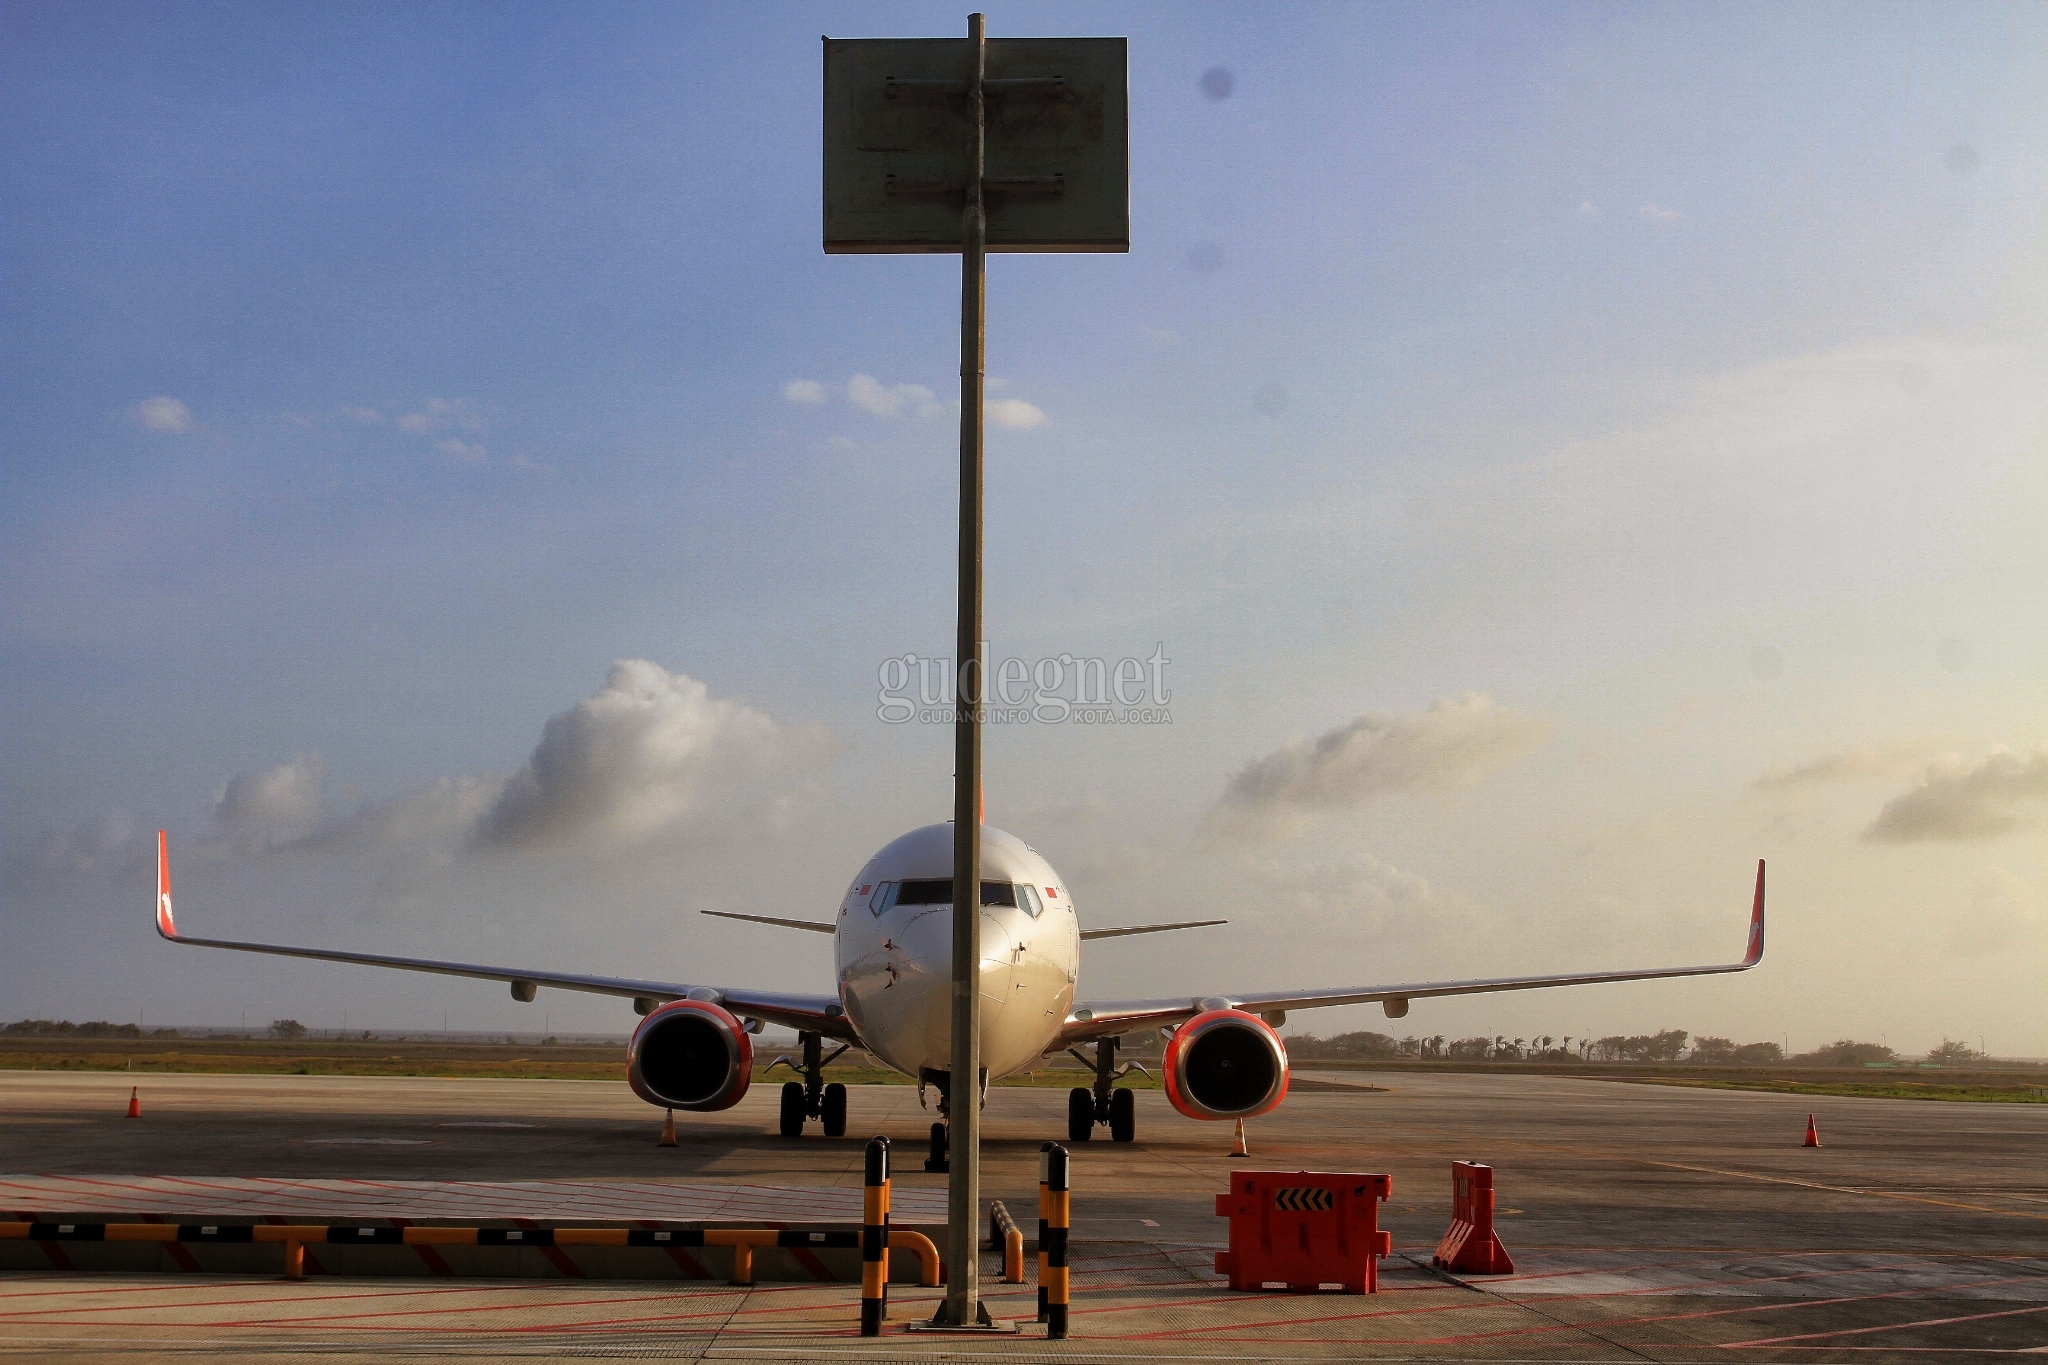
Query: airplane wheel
[
  {"x": 792, "y": 1109},
  {"x": 835, "y": 1111},
  {"x": 1123, "y": 1116},
  {"x": 1080, "y": 1114}
]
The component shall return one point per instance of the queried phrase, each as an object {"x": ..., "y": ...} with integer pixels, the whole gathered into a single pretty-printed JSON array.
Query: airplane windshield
[{"x": 933, "y": 891}]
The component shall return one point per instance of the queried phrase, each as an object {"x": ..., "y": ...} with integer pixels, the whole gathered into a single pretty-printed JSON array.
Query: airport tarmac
[{"x": 1647, "y": 1222}]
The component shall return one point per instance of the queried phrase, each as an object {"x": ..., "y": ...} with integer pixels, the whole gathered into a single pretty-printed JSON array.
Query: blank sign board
[{"x": 899, "y": 138}]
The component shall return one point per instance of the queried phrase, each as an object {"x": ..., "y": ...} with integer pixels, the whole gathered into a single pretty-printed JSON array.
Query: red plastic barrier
[
  {"x": 1472, "y": 1247},
  {"x": 1304, "y": 1229}
]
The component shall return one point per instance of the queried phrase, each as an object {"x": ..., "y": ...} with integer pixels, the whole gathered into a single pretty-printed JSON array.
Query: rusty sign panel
[{"x": 898, "y": 139}]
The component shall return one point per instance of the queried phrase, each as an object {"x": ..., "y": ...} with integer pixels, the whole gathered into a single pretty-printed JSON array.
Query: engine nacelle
[
  {"x": 690, "y": 1054},
  {"x": 1225, "y": 1064}
]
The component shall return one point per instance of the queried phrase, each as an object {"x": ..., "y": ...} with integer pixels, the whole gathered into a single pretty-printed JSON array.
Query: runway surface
[{"x": 1647, "y": 1222}]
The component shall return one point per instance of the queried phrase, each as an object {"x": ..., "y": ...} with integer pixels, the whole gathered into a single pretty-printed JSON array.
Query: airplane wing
[
  {"x": 810, "y": 924},
  {"x": 813, "y": 1013},
  {"x": 1087, "y": 934},
  {"x": 1093, "y": 1020}
]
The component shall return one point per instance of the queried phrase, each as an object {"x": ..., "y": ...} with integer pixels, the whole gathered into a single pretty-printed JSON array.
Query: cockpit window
[
  {"x": 932, "y": 891},
  {"x": 1027, "y": 897},
  {"x": 884, "y": 897}
]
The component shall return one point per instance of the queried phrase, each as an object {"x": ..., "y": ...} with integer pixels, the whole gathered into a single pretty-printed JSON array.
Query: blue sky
[{"x": 1670, "y": 377}]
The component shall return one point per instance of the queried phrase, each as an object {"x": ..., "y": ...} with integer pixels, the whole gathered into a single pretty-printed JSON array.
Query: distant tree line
[
  {"x": 64, "y": 1028},
  {"x": 1668, "y": 1045}
]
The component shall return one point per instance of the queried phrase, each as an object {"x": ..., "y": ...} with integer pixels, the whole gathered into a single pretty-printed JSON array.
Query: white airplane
[{"x": 893, "y": 938}]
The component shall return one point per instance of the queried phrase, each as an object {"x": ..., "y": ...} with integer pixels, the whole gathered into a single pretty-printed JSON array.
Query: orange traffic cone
[
  {"x": 1237, "y": 1147},
  {"x": 668, "y": 1130},
  {"x": 134, "y": 1101},
  {"x": 1812, "y": 1134}
]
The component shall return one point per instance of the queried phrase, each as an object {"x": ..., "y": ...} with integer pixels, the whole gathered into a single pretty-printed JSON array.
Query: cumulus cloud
[
  {"x": 163, "y": 414},
  {"x": 1453, "y": 743},
  {"x": 109, "y": 843},
  {"x": 1015, "y": 413},
  {"x": 1959, "y": 801},
  {"x": 441, "y": 414},
  {"x": 368, "y": 417},
  {"x": 651, "y": 758},
  {"x": 1863, "y": 764},
  {"x": 464, "y": 452},
  {"x": 1660, "y": 215},
  {"x": 871, "y": 395},
  {"x": 267, "y": 808},
  {"x": 804, "y": 391},
  {"x": 652, "y": 755}
]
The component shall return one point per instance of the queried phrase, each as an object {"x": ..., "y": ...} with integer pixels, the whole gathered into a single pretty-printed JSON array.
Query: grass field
[
  {"x": 385, "y": 1057},
  {"x": 606, "y": 1062}
]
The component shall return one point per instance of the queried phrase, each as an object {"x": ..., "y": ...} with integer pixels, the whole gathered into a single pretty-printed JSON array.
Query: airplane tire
[
  {"x": 792, "y": 1109},
  {"x": 1123, "y": 1116},
  {"x": 835, "y": 1110},
  {"x": 1080, "y": 1114}
]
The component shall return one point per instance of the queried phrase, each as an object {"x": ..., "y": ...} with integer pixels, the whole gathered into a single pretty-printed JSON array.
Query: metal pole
[{"x": 963, "y": 1185}]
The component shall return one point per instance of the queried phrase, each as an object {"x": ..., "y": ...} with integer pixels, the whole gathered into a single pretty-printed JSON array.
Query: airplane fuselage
[{"x": 894, "y": 949}]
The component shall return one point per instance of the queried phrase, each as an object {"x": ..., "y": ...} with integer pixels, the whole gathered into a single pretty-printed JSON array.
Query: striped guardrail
[{"x": 295, "y": 1237}]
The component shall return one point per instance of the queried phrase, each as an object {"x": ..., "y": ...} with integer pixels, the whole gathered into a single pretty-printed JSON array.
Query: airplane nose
[{"x": 924, "y": 989}]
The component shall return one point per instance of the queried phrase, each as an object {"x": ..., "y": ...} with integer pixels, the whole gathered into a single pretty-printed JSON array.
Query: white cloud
[
  {"x": 1660, "y": 215},
  {"x": 1015, "y": 413},
  {"x": 267, "y": 808},
  {"x": 1959, "y": 801},
  {"x": 163, "y": 414},
  {"x": 1160, "y": 336},
  {"x": 368, "y": 417},
  {"x": 441, "y": 414},
  {"x": 804, "y": 391},
  {"x": 652, "y": 756},
  {"x": 652, "y": 759},
  {"x": 468, "y": 452},
  {"x": 108, "y": 843},
  {"x": 1454, "y": 743},
  {"x": 1588, "y": 209},
  {"x": 870, "y": 395},
  {"x": 1863, "y": 764}
]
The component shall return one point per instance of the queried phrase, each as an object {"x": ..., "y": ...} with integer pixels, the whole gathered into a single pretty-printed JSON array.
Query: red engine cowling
[
  {"x": 690, "y": 1054},
  {"x": 1225, "y": 1064}
]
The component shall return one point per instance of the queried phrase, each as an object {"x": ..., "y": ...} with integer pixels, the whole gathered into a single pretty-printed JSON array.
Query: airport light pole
[
  {"x": 963, "y": 1123},
  {"x": 911, "y": 129}
]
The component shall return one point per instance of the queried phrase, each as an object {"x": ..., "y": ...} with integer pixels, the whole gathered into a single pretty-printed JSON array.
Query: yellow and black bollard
[
  {"x": 1043, "y": 1213},
  {"x": 1053, "y": 1244},
  {"x": 874, "y": 1240}
]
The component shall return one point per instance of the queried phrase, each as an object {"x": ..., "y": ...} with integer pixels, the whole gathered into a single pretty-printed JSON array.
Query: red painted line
[
  {"x": 1207, "y": 1332},
  {"x": 814, "y": 1267},
  {"x": 556, "y": 1257},
  {"x": 185, "y": 1259},
  {"x": 1891, "y": 1327},
  {"x": 55, "y": 1251},
  {"x": 298, "y": 1297}
]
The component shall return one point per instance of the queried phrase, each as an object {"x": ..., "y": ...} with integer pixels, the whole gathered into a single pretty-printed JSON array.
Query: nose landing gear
[
  {"x": 811, "y": 1097},
  {"x": 1102, "y": 1102}
]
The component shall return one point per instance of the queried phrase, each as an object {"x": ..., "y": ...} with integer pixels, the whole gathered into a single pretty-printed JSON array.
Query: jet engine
[
  {"x": 690, "y": 1054},
  {"x": 1225, "y": 1064}
]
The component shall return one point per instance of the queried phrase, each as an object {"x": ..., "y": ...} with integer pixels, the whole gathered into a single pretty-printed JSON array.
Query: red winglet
[
  {"x": 164, "y": 924},
  {"x": 1756, "y": 921}
]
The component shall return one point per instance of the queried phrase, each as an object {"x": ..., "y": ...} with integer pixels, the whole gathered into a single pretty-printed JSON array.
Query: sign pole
[{"x": 963, "y": 1134}]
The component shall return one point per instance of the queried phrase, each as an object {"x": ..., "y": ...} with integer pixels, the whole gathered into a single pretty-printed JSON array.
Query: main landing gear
[
  {"x": 811, "y": 1097},
  {"x": 1102, "y": 1102}
]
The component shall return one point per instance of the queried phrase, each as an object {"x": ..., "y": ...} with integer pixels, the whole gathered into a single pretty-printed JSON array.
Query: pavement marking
[{"x": 1895, "y": 1327}]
